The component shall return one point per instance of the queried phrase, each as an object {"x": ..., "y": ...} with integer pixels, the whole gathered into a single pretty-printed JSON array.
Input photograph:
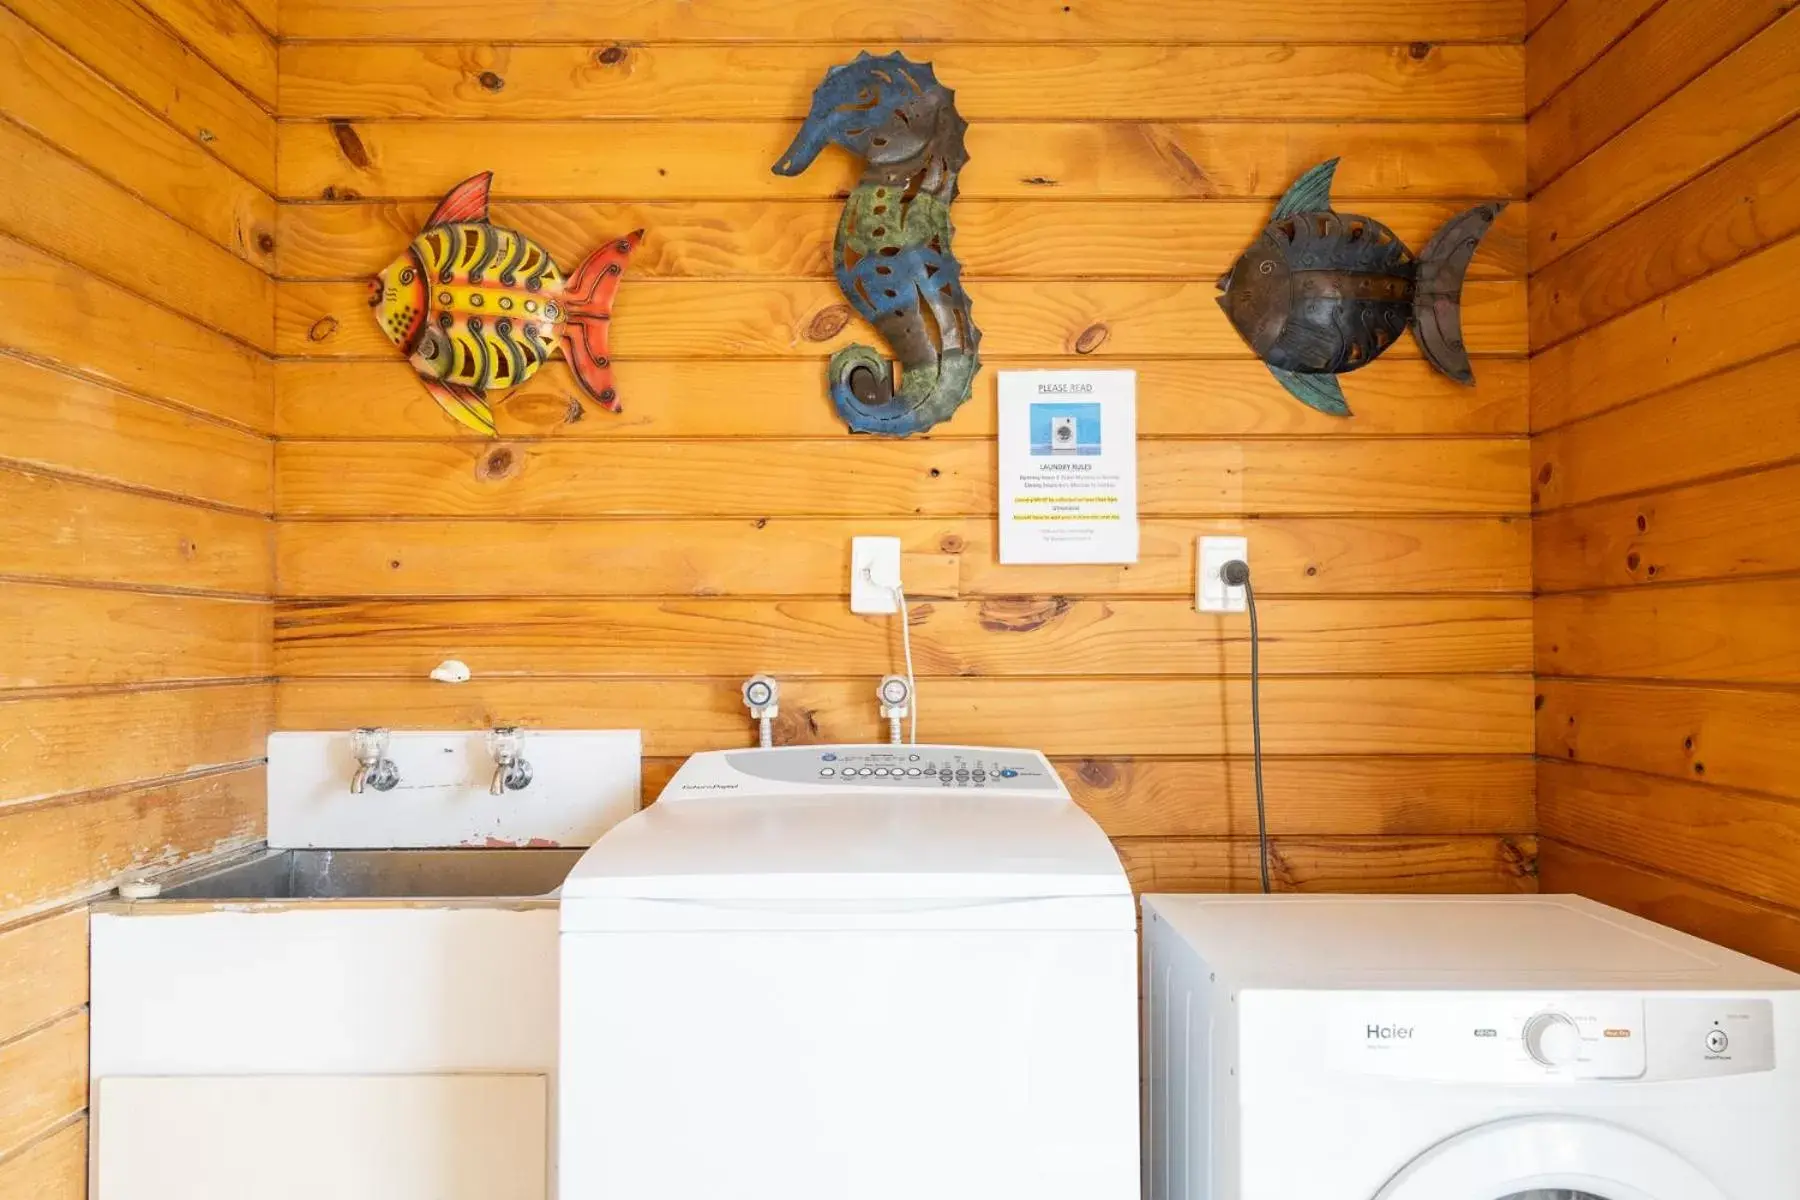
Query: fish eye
[{"x": 406, "y": 276}]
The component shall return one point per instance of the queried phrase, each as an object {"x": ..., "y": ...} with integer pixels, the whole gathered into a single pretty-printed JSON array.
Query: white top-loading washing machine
[
  {"x": 851, "y": 973},
  {"x": 1460, "y": 1048}
]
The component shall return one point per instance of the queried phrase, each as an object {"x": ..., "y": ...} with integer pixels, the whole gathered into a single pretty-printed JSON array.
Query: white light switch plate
[
  {"x": 879, "y": 558},
  {"x": 1210, "y": 592}
]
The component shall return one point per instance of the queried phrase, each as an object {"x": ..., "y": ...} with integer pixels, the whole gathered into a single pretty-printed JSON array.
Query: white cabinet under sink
[
  {"x": 302, "y": 1137},
  {"x": 261, "y": 1024}
]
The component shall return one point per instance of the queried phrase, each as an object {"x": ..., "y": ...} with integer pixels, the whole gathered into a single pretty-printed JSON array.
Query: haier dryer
[
  {"x": 851, "y": 973},
  {"x": 1460, "y": 1048}
]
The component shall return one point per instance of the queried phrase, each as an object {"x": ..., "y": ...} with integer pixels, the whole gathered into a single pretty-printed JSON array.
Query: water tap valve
[{"x": 373, "y": 767}]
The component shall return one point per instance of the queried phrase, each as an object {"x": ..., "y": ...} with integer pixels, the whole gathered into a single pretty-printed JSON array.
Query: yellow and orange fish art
[{"x": 477, "y": 308}]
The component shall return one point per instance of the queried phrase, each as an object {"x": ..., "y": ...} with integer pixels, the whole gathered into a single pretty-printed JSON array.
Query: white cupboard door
[{"x": 303, "y": 1137}]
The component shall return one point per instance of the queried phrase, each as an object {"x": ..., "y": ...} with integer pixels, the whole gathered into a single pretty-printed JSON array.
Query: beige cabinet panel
[{"x": 302, "y": 1137}]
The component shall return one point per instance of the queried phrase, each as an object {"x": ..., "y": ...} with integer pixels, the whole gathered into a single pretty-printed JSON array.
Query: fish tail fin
[
  {"x": 464, "y": 405},
  {"x": 1437, "y": 297},
  {"x": 588, "y": 297}
]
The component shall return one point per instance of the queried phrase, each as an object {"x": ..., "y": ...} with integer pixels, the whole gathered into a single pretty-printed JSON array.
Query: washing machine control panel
[
  {"x": 1521, "y": 1037},
  {"x": 924, "y": 768}
]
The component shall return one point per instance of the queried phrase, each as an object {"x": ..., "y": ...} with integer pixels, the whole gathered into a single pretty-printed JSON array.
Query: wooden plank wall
[
  {"x": 600, "y": 570},
  {"x": 136, "y": 469},
  {"x": 1664, "y": 157}
]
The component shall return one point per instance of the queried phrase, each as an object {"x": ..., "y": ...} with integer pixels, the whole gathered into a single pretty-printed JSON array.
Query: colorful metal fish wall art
[
  {"x": 478, "y": 308},
  {"x": 1321, "y": 292},
  {"x": 893, "y": 254}
]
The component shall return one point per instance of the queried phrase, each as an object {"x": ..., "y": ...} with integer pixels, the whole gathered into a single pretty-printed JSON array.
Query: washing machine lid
[
  {"x": 1550, "y": 1156},
  {"x": 853, "y": 848}
]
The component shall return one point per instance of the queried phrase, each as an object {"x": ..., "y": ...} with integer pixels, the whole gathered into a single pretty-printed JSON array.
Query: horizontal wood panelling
[
  {"x": 338, "y": 398},
  {"x": 141, "y": 57},
  {"x": 1742, "y": 419},
  {"x": 83, "y": 741},
  {"x": 1571, "y": 38},
  {"x": 1747, "y": 843},
  {"x": 1742, "y": 632},
  {"x": 71, "y": 848},
  {"x": 1457, "y": 866},
  {"x": 43, "y": 1081},
  {"x": 1651, "y": 61},
  {"x": 43, "y": 971},
  {"x": 878, "y": 477},
  {"x": 1768, "y": 932},
  {"x": 724, "y": 160},
  {"x": 1731, "y": 737},
  {"x": 995, "y": 239},
  {"x": 1430, "y": 715},
  {"x": 227, "y": 37},
  {"x": 58, "y": 311},
  {"x": 1048, "y": 635},
  {"x": 1748, "y": 201},
  {"x": 1749, "y": 93},
  {"x": 70, "y": 424},
  {"x": 780, "y": 557},
  {"x": 53, "y": 94},
  {"x": 936, "y": 20},
  {"x": 1115, "y": 319},
  {"x": 1734, "y": 527},
  {"x": 78, "y": 215},
  {"x": 53, "y": 635},
  {"x": 1737, "y": 314},
  {"x": 60, "y": 528},
  {"x": 54, "y": 1168},
  {"x": 1142, "y": 81}
]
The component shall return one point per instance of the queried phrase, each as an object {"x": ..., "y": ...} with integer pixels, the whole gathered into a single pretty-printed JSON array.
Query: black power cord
[{"x": 1236, "y": 573}]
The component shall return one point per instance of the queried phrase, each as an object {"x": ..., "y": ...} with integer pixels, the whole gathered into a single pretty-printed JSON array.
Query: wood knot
[
  {"x": 612, "y": 56},
  {"x": 265, "y": 242},
  {"x": 760, "y": 523},
  {"x": 338, "y": 193},
  {"x": 498, "y": 463},
  {"x": 1038, "y": 181},
  {"x": 1546, "y": 472},
  {"x": 1537, "y": 703},
  {"x": 827, "y": 323},
  {"x": 321, "y": 329},
  {"x": 574, "y": 412},
  {"x": 490, "y": 81},
  {"x": 1097, "y": 773},
  {"x": 1021, "y": 614},
  {"x": 350, "y": 144},
  {"x": 189, "y": 549},
  {"x": 1092, "y": 338},
  {"x": 1632, "y": 560},
  {"x": 1643, "y": 523},
  {"x": 951, "y": 543},
  {"x": 1311, "y": 570},
  {"x": 1419, "y": 51},
  {"x": 393, "y": 564}
]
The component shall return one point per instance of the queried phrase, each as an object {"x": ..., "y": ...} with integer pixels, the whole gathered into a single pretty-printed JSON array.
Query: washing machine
[
  {"x": 851, "y": 973},
  {"x": 1460, "y": 1048}
]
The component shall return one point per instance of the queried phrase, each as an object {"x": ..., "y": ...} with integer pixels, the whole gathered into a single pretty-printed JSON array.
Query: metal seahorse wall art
[{"x": 892, "y": 253}]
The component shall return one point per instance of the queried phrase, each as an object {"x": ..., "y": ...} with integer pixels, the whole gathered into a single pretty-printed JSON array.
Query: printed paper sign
[{"x": 1068, "y": 467}]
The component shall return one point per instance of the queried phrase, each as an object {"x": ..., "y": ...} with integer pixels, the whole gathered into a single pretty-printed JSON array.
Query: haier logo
[{"x": 1388, "y": 1033}]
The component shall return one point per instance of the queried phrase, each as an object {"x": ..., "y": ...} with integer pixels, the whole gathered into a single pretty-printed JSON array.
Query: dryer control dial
[{"x": 1552, "y": 1039}]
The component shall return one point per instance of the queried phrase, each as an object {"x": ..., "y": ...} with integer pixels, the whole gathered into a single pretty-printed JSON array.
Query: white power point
[
  {"x": 874, "y": 574},
  {"x": 1211, "y": 593}
]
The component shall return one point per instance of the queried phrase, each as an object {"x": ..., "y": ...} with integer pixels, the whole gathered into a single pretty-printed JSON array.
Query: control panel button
[
  {"x": 881, "y": 770},
  {"x": 1008, "y": 773},
  {"x": 1717, "y": 1042},
  {"x": 1552, "y": 1039},
  {"x": 913, "y": 771},
  {"x": 827, "y": 772}
]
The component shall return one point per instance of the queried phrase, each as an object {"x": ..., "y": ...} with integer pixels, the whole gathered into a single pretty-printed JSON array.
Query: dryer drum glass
[{"x": 1553, "y": 1194}]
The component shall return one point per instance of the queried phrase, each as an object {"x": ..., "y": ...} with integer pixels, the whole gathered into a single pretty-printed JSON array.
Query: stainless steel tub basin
[{"x": 380, "y": 874}]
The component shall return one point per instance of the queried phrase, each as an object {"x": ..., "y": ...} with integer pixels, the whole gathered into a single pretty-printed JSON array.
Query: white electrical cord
[{"x": 906, "y": 645}]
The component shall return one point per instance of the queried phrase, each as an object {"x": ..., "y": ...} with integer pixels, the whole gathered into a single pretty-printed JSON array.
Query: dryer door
[{"x": 1549, "y": 1158}]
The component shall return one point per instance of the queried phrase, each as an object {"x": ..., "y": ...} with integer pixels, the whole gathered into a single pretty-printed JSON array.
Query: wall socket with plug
[
  {"x": 874, "y": 574},
  {"x": 1211, "y": 594}
]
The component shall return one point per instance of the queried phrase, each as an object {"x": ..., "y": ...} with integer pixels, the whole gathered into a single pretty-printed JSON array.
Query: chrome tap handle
[
  {"x": 373, "y": 767},
  {"x": 511, "y": 772}
]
